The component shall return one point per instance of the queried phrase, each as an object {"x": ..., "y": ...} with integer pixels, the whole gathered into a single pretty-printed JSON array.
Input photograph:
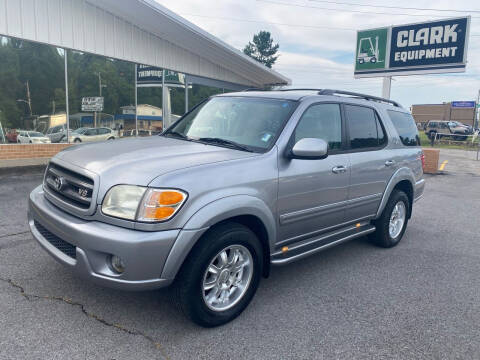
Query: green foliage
[
  {"x": 43, "y": 67},
  {"x": 262, "y": 49}
]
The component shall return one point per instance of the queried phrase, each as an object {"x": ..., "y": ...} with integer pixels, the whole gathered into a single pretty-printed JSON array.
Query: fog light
[{"x": 117, "y": 264}]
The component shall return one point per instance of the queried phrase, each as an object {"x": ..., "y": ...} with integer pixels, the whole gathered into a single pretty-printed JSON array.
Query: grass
[{"x": 449, "y": 144}]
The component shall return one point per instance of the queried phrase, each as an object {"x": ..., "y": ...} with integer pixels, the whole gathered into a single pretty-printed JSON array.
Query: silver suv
[{"x": 242, "y": 182}]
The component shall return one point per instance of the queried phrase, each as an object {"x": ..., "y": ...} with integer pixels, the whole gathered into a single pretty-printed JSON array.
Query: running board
[{"x": 320, "y": 243}]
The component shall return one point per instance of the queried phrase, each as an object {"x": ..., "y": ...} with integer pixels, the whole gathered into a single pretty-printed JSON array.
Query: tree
[{"x": 262, "y": 48}]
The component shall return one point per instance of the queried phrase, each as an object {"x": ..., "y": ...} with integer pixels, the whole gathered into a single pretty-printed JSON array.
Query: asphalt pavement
[{"x": 419, "y": 300}]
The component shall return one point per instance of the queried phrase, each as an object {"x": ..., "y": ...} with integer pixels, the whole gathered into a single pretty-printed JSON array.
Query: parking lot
[{"x": 418, "y": 300}]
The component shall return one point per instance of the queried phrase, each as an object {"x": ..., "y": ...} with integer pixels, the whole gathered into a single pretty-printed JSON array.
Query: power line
[
  {"x": 269, "y": 23},
  {"x": 223, "y": 18},
  {"x": 354, "y": 11},
  {"x": 393, "y": 7}
]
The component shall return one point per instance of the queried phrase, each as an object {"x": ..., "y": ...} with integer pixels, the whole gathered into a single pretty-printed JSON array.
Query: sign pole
[
  {"x": 477, "y": 112},
  {"x": 387, "y": 85},
  {"x": 136, "y": 101},
  {"x": 67, "y": 110}
]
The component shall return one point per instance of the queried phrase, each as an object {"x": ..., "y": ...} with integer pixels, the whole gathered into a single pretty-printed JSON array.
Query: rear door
[
  {"x": 103, "y": 134},
  {"x": 313, "y": 192},
  {"x": 90, "y": 135},
  {"x": 372, "y": 164}
]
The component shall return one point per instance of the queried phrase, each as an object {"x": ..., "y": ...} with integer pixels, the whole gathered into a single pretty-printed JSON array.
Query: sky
[{"x": 317, "y": 40}]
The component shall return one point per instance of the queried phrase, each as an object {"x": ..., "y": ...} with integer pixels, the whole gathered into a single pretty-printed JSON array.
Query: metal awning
[{"x": 140, "y": 31}]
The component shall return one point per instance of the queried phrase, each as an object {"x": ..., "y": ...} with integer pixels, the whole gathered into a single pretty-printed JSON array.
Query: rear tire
[
  {"x": 203, "y": 306},
  {"x": 77, "y": 141},
  {"x": 391, "y": 226}
]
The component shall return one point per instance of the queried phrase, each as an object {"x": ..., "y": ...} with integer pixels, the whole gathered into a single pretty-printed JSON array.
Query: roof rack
[
  {"x": 335, "y": 92},
  {"x": 300, "y": 89},
  {"x": 254, "y": 89},
  {"x": 358, "y": 95}
]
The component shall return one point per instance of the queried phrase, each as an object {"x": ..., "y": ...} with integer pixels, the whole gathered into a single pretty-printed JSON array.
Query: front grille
[
  {"x": 69, "y": 186},
  {"x": 65, "y": 247}
]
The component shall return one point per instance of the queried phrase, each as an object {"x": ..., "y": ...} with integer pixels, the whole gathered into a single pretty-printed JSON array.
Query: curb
[{"x": 22, "y": 170}]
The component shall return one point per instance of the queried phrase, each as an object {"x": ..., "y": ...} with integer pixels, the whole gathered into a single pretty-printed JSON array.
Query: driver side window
[{"x": 321, "y": 121}]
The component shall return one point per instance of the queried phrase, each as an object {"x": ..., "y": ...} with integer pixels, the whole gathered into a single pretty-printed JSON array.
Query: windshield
[
  {"x": 35, "y": 134},
  {"x": 252, "y": 123}
]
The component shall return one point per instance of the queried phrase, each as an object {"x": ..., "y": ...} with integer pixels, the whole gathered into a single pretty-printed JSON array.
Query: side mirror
[{"x": 310, "y": 148}]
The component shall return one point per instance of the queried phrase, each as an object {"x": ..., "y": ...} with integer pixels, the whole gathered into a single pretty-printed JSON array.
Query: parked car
[
  {"x": 242, "y": 182},
  {"x": 451, "y": 129},
  {"x": 32, "y": 137},
  {"x": 11, "y": 135},
  {"x": 92, "y": 134},
  {"x": 57, "y": 133}
]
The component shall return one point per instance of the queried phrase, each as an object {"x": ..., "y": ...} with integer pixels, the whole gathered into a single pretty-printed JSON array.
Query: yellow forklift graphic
[{"x": 367, "y": 52}]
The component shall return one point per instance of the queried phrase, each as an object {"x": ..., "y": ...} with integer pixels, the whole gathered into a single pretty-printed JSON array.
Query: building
[
  {"x": 451, "y": 111},
  {"x": 68, "y": 50}
]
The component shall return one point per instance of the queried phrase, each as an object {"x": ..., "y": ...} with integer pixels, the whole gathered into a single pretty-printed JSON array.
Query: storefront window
[
  {"x": 32, "y": 90},
  {"x": 103, "y": 101},
  {"x": 199, "y": 93},
  {"x": 101, "y": 93},
  {"x": 149, "y": 100}
]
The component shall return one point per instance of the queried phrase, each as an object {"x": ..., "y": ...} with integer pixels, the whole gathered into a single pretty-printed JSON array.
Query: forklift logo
[{"x": 371, "y": 49}]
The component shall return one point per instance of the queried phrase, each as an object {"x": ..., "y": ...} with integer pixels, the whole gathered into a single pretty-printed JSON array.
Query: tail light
[{"x": 422, "y": 157}]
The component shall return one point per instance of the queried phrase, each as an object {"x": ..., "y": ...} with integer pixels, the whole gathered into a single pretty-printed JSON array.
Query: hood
[{"x": 140, "y": 160}]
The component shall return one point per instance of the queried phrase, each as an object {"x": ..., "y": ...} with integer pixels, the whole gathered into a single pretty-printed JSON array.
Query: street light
[{"x": 28, "y": 103}]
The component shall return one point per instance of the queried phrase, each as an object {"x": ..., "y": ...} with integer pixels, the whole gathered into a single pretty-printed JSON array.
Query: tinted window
[
  {"x": 252, "y": 122},
  {"x": 382, "y": 137},
  {"x": 321, "y": 121},
  {"x": 362, "y": 127},
  {"x": 406, "y": 128},
  {"x": 103, "y": 131}
]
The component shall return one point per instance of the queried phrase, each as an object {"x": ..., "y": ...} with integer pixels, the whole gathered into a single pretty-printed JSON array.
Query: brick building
[{"x": 422, "y": 113}]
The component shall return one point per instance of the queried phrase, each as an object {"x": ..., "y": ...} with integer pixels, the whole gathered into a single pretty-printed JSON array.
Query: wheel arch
[
  {"x": 243, "y": 209},
  {"x": 403, "y": 179}
]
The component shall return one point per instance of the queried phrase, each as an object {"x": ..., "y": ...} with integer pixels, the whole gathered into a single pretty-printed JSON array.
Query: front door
[{"x": 312, "y": 193}]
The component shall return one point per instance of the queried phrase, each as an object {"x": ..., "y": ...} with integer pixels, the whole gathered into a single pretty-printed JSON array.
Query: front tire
[
  {"x": 392, "y": 224},
  {"x": 220, "y": 276}
]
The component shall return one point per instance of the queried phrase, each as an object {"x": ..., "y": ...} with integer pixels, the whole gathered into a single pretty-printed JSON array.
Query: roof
[
  {"x": 160, "y": 21},
  {"x": 304, "y": 93},
  {"x": 285, "y": 95}
]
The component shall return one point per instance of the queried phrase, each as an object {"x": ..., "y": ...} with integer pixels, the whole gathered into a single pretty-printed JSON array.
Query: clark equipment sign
[{"x": 422, "y": 48}]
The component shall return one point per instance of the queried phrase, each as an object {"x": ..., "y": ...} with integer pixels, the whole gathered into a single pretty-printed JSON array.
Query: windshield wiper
[
  {"x": 229, "y": 143},
  {"x": 177, "y": 135}
]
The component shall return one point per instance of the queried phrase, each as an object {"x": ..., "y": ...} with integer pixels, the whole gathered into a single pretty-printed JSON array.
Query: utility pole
[
  {"x": 387, "y": 84},
  {"x": 100, "y": 86},
  {"x": 477, "y": 112},
  {"x": 29, "y": 100}
]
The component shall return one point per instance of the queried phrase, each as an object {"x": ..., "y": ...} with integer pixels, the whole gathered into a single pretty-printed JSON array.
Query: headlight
[
  {"x": 142, "y": 204},
  {"x": 122, "y": 201}
]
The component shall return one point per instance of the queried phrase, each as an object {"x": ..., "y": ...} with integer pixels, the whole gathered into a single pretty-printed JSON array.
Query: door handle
[
  {"x": 339, "y": 169},
  {"x": 389, "y": 162}
]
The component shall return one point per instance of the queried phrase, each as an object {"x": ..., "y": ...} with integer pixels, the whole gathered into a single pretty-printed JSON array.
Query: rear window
[{"x": 406, "y": 128}]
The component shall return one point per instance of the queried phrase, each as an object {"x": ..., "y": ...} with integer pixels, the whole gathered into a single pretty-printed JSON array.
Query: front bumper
[{"x": 144, "y": 253}]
